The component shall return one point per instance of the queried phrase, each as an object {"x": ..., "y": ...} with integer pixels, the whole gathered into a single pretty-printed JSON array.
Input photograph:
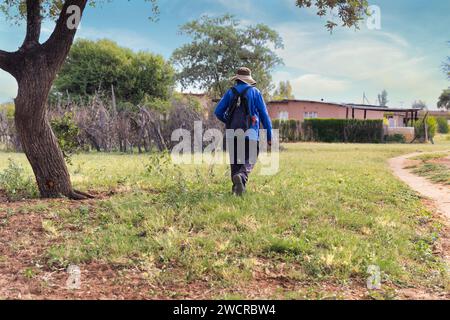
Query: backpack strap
[{"x": 235, "y": 92}]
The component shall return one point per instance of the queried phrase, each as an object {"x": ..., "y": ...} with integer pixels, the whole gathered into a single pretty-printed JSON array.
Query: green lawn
[{"x": 330, "y": 212}]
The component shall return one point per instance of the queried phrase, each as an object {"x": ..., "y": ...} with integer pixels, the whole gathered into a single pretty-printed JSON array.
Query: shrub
[
  {"x": 396, "y": 138},
  {"x": 16, "y": 184},
  {"x": 443, "y": 125},
  {"x": 344, "y": 130},
  {"x": 419, "y": 127},
  {"x": 67, "y": 132},
  {"x": 290, "y": 130}
]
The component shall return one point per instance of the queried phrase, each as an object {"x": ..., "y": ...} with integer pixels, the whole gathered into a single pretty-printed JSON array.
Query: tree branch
[
  {"x": 7, "y": 61},
  {"x": 34, "y": 22},
  {"x": 58, "y": 45}
]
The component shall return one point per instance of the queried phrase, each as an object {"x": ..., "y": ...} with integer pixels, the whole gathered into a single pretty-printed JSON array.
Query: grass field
[{"x": 311, "y": 231}]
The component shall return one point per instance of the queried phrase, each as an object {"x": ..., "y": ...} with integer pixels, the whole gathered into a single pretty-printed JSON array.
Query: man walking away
[{"x": 243, "y": 108}]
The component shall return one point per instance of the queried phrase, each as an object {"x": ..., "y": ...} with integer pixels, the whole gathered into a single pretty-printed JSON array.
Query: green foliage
[
  {"x": 432, "y": 126},
  {"x": 290, "y": 130},
  {"x": 67, "y": 132},
  {"x": 219, "y": 47},
  {"x": 443, "y": 126},
  {"x": 94, "y": 66},
  {"x": 15, "y": 10},
  {"x": 8, "y": 108},
  {"x": 395, "y": 138},
  {"x": 351, "y": 12},
  {"x": 284, "y": 91},
  {"x": 444, "y": 100},
  {"x": 16, "y": 184},
  {"x": 343, "y": 130}
]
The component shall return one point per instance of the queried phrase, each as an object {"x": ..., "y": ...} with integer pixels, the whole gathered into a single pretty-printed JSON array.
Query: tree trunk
[
  {"x": 34, "y": 66},
  {"x": 36, "y": 136}
]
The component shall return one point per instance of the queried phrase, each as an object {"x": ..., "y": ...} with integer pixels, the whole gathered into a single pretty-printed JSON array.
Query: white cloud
[
  {"x": 315, "y": 84},
  {"x": 364, "y": 60}
]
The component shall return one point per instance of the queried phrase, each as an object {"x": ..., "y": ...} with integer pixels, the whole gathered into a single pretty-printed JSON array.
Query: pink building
[{"x": 304, "y": 109}]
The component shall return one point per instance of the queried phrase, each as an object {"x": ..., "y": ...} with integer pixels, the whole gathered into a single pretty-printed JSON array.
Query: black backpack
[{"x": 239, "y": 100}]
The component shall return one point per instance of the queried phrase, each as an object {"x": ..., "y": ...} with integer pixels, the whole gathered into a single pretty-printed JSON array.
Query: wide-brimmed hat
[{"x": 245, "y": 75}]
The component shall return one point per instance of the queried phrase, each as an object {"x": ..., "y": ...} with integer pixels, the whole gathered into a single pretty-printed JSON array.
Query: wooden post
[
  {"x": 365, "y": 114},
  {"x": 347, "y": 113},
  {"x": 353, "y": 113}
]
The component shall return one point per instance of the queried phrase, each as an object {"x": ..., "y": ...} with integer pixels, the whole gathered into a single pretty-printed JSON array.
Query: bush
[
  {"x": 443, "y": 125},
  {"x": 16, "y": 184},
  {"x": 396, "y": 138},
  {"x": 344, "y": 130},
  {"x": 290, "y": 130},
  {"x": 419, "y": 127},
  {"x": 67, "y": 132}
]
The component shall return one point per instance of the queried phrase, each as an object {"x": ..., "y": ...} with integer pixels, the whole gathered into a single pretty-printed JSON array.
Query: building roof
[
  {"x": 309, "y": 101},
  {"x": 378, "y": 108},
  {"x": 351, "y": 105}
]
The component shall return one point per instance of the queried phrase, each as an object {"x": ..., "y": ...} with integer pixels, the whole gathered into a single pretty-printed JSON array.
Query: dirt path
[
  {"x": 440, "y": 194},
  {"x": 440, "y": 197}
]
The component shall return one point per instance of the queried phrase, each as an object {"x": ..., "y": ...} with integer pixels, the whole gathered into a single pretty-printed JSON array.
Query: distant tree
[
  {"x": 383, "y": 99},
  {"x": 284, "y": 91},
  {"x": 443, "y": 126},
  {"x": 100, "y": 65},
  {"x": 419, "y": 104},
  {"x": 219, "y": 47},
  {"x": 444, "y": 100}
]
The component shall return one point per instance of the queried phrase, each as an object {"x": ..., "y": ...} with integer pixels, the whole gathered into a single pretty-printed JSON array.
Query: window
[
  {"x": 283, "y": 115},
  {"x": 311, "y": 115}
]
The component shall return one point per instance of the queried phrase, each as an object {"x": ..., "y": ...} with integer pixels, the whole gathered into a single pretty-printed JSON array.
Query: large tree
[
  {"x": 219, "y": 47},
  {"x": 35, "y": 65},
  {"x": 94, "y": 66}
]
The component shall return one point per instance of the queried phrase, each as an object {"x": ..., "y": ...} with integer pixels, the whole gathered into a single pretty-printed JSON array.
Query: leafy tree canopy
[
  {"x": 97, "y": 66},
  {"x": 15, "y": 10},
  {"x": 284, "y": 91},
  {"x": 219, "y": 47},
  {"x": 350, "y": 12},
  {"x": 444, "y": 100}
]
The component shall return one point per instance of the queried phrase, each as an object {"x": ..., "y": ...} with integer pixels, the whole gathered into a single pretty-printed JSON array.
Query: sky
[{"x": 403, "y": 56}]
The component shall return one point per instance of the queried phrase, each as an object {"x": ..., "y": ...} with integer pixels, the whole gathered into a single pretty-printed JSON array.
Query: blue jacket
[{"x": 257, "y": 108}]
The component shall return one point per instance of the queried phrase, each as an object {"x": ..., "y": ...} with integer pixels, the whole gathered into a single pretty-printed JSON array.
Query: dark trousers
[{"x": 243, "y": 157}]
